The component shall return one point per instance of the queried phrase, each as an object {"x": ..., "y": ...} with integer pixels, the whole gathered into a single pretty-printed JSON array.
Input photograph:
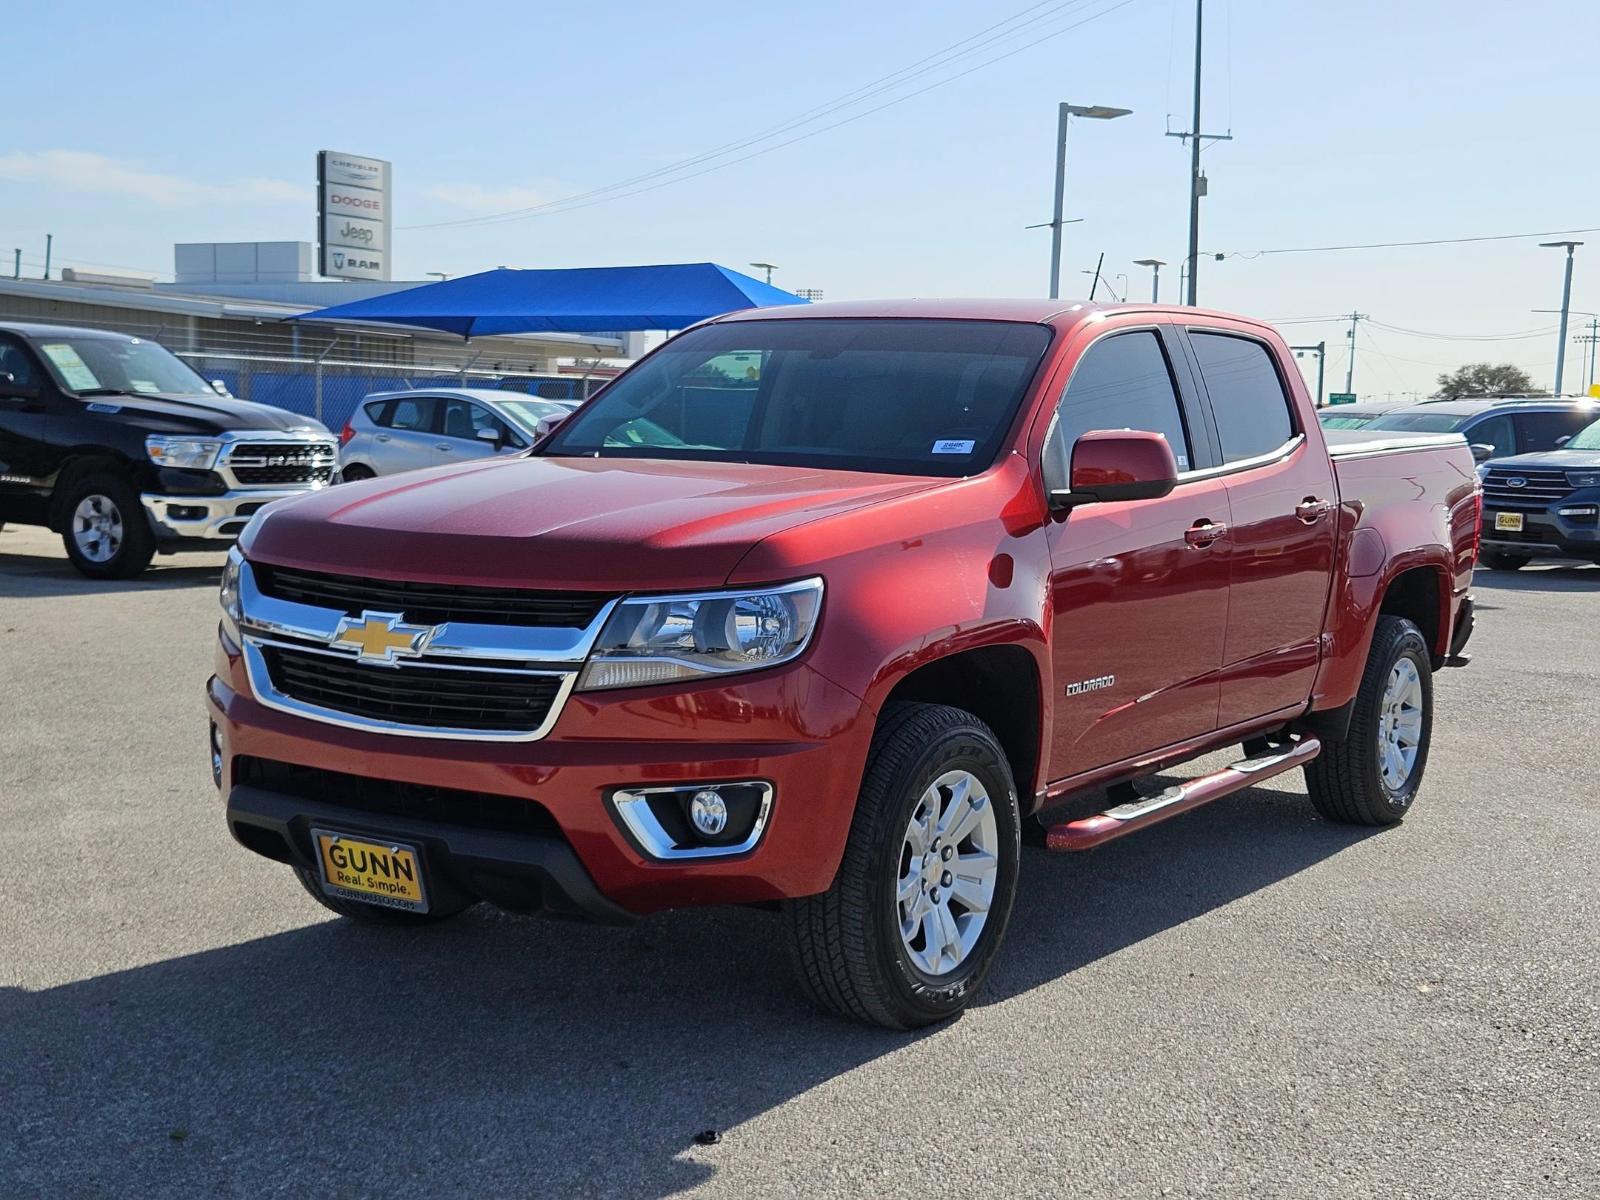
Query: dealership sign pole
[{"x": 353, "y": 216}]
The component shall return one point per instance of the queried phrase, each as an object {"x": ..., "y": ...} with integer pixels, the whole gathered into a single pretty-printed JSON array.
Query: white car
[{"x": 402, "y": 431}]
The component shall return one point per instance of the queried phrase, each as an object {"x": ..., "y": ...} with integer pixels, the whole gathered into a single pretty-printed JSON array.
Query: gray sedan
[{"x": 402, "y": 431}]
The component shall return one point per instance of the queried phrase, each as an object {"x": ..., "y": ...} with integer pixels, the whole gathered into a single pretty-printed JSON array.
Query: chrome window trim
[
  {"x": 633, "y": 809},
  {"x": 1246, "y": 464},
  {"x": 255, "y": 666}
]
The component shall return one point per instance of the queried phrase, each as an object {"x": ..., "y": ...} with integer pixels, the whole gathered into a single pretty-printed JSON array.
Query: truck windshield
[
  {"x": 913, "y": 397},
  {"x": 114, "y": 364},
  {"x": 1587, "y": 438}
]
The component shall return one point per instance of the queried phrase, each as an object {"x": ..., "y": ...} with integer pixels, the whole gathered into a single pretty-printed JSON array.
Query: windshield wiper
[{"x": 104, "y": 391}]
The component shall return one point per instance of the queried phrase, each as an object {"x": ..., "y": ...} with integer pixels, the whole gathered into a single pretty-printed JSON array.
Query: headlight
[
  {"x": 194, "y": 454},
  {"x": 1584, "y": 478},
  {"x": 658, "y": 639},
  {"x": 229, "y": 595}
]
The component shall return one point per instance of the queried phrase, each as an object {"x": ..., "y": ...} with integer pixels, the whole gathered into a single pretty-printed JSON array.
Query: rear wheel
[
  {"x": 371, "y": 914},
  {"x": 1372, "y": 776},
  {"x": 916, "y": 915},
  {"x": 1499, "y": 560},
  {"x": 356, "y": 471},
  {"x": 107, "y": 534}
]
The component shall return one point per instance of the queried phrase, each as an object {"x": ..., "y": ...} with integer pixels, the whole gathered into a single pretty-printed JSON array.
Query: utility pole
[
  {"x": 1566, "y": 301},
  {"x": 49, "y": 242},
  {"x": 1589, "y": 339},
  {"x": 16, "y": 263},
  {"x": 1321, "y": 351},
  {"x": 1197, "y": 182},
  {"x": 1350, "y": 371}
]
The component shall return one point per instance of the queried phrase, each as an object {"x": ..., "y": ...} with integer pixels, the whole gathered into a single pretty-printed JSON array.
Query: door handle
[
  {"x": 1310, "y": 509},
  {"x": 443, "y": 446},
  {"x": 380, "y": 437},
  {"x": 1203, "y": 532}
]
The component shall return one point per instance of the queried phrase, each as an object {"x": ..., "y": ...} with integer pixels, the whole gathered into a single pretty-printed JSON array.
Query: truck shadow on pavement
[
  {"x": 27, "y": 575},
  {"x": 513, "y": 1057}
]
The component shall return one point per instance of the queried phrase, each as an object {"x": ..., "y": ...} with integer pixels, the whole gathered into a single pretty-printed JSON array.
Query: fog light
[
  {"x": 216, "y": 756},
  {"x": 708, "y": 812},
  {"x": 186, "y": 512}
]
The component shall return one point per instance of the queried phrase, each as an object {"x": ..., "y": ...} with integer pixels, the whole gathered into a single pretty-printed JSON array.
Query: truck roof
[
  {"x": 30, "y": 330},
  {"x": 1041, "y": 312}
]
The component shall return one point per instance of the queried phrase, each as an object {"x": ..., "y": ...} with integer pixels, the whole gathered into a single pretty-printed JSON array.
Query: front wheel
[
  {"x": 107, "y": 534},
  {"x": 917, "y": 913},
  {"x": 1372, "y": 776}
]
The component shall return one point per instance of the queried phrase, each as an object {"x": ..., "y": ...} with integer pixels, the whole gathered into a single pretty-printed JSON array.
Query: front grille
[
  {"x": 260, "y": 463},
  {"x": 392, "y": 798},
  {"x": 430, "y": 603},
  {"x": 423, "y": 696},
  {"x": 1537, "y": 489}
]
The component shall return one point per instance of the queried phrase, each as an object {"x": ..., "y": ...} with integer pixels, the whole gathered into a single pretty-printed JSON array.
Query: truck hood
[
  {"x": 584, "y": 523},
  {"x": 1549, "y": 460},
  {"x": 160, "y": 413}
]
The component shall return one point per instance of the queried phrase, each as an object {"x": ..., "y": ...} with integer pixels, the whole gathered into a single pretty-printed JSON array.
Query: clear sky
[{"x": 130, "y": 127}]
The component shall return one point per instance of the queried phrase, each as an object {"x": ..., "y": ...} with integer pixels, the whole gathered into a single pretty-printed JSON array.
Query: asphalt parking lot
[{"x": 1244, "y": 1001}]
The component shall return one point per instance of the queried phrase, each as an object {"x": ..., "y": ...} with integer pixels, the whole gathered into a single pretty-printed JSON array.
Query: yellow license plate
[
  {"x": 384, "y": 873},
  {"x": 1510, "y": 522}
]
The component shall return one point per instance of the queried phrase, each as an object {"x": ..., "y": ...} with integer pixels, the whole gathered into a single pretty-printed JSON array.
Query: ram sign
[{"x": 352, "y": 216}]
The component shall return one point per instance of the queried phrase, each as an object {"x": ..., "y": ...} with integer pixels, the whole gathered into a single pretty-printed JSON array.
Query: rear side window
[
  {"x": 16, "y": 362},
  {"x": 1540, "y": 431},
  {"x": 1496, "y": 431},
  {"x": 412, "y": 412},
  {"x": 1251, "y": 407},
  {"x": 1122, "y": 382}
]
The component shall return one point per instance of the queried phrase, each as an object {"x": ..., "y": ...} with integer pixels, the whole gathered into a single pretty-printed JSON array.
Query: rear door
[
  {"x": 1495, "y": 431},
  {"x": 24, "y": 461},
  {"x": 1138, "y": 590},
  {"x": 407, "y": 436},
  {"x": 1281, "y": 494}
]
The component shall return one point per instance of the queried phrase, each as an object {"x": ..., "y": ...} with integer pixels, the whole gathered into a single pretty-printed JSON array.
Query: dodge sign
[{"x": 352, "y": 216}]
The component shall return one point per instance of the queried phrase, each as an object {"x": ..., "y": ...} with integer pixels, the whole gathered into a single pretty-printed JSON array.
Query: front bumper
[
  {"x": 211, "y": 518},
  {"x": 1545, "y": 533},
  {"x": 789, "y": 727}
]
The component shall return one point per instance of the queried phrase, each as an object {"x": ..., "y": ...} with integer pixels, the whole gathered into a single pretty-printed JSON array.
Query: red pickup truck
[{"x": 820, "y": 608}]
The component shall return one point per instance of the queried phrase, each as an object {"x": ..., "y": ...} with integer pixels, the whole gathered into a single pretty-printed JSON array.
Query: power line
[
  {"x": 624, "y": 188},
  {"x": 1456, "y": 241},
  {"x": 1468, "y": 337}
]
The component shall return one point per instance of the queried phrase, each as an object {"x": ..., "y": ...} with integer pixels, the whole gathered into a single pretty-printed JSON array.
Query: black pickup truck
[
  {"x": 1543, "y": 505},
  {"x": 116, "y": 444}
]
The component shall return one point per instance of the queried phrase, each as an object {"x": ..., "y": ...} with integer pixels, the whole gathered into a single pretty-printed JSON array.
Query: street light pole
[
  {"x": 1566, "y": 300},
  {"x": 1155, "y": 265},
  {"x": 1064, "y": 113},
  {"x": 769, "y": 267}
]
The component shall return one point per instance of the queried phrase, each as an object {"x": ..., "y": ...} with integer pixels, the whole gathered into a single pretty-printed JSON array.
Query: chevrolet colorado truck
[
  {"x": 117, "y": 445},
  {"x": 820, "y": 608}
]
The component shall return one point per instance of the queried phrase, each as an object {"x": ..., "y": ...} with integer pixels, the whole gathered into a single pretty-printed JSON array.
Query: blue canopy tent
[{"x": 578, "y": 300}]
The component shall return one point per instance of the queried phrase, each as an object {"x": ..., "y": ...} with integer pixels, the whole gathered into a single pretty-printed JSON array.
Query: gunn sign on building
[{"x": 352, "y": 216}]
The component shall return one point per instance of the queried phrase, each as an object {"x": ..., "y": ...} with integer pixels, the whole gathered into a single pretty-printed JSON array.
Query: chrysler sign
[{"x": 352, "y": 216}]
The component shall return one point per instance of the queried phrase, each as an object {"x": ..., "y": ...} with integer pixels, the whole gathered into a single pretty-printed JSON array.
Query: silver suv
[{"x": 402, "y": 431}]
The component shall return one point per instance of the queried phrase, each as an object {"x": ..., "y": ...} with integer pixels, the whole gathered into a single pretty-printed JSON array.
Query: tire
[
  {"x": 1499, "y": 560},
  {"x": 127, "y": 543},
  {"x": 1346, "y": 781},
  {"x": 848, "y": 948},
  {"x": 371, "y": 914},
  {"x": 356, "y": 471}
]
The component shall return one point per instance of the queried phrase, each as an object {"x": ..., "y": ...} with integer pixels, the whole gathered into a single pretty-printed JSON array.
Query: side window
[
  {"x": 464, "y": 419},
  {"x": 379, "y": 412},
  {"x": 413, "y": 413},
  {"x": 1496, "y": 432},
  {"x": 1251, "y": 407},
  {"x": 1122, "y": 382},
  {"x": 15, "y": 360},
  {"x": 1539, "y": 431}
]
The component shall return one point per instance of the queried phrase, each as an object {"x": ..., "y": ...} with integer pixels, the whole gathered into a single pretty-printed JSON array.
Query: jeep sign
[{"x": 352, "y": 216}]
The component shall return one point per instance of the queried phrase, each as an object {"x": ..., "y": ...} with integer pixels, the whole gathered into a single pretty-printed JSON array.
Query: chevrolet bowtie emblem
[{"x": 382, "y": 637}]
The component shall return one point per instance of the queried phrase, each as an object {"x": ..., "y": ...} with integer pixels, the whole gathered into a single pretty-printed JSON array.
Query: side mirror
[
  {"x": 1481, "y": 451},
  {"x": 490, "y": 435},
  {"x": 221, "y": 389},
  {"x": 1562, "y": 441},
  {"x": 10, "y": 389},
  {"x": 1118, "y": 464},
  {"x": 548, "y": 425}
]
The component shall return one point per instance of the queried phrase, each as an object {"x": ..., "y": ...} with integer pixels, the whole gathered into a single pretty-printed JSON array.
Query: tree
[{"x": 1485, "y": 379}]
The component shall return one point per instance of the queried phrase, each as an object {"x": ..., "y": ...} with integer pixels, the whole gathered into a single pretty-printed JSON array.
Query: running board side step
[{"x": 1089, "y": 832}]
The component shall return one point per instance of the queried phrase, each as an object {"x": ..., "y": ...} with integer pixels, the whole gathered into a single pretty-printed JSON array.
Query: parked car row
[{"x": 405, "y": 431}]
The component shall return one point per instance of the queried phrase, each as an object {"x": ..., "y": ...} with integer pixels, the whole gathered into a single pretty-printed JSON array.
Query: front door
[
  {"x": 1282, "y": 495},
  {"x": 1138, "y": 590}
]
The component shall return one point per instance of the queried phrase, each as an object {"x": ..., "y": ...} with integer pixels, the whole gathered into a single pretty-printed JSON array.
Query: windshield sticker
[
  {"x": 104, "y": 408},
  {"x": 953, "y": 446},
  {"x": 1183, "y": 462},
  {"x": 73, "y": 369},
  {"x": 143, "y": 385}
]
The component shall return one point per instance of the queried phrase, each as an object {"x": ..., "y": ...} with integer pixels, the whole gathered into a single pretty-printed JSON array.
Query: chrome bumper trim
[{"x": 220, "y": 512}]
